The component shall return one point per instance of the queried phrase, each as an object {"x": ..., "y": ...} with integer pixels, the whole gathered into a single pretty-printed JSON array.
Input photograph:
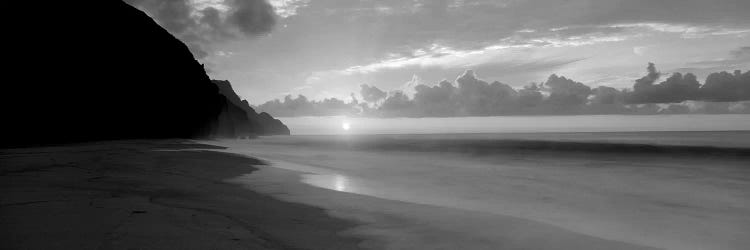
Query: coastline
[
  {"x": 386, "y": 223},
  {"x": 406, "y": 198},
  {"x": 224, "y": 194},
  {"x": 149, "y": 194},
  {"x": 393, "y": 224}
]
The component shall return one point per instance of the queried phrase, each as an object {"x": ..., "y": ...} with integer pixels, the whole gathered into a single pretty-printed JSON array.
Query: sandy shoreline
[
  {"x": 145, "y": 195},
  {"x": 173, "y": 194},
  {"x": 422, "y": 199}
]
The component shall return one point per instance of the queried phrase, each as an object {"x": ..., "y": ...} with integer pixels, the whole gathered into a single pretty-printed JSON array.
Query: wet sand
[
  {"x": 392, "y": 224},
  {"x": 186, "y": 195},
  {"x": 431, "y": 192},
  {"x": 147, "y": 195}
]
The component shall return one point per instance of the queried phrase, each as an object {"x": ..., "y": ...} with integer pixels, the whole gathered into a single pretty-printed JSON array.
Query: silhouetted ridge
[
  {"x": 100, "y": 70},
  {"x": 261, "y": 123}
]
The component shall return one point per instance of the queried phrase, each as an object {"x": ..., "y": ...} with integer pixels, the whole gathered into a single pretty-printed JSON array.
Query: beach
[
  {"x": 644, "y": 190},
  {"x": 393, "y": 125},
  {"x": 148, "y": 194}
]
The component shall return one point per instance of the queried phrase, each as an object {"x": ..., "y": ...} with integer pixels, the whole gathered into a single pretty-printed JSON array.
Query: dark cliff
[
  {"x": 261, "y": 123},
  {"x": 102, "y": 70}
]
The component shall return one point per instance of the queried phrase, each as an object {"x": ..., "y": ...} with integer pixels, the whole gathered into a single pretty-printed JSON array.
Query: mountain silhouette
[
  {"x": 261, "y": 123},
  {"x": 104, "y": 70}
]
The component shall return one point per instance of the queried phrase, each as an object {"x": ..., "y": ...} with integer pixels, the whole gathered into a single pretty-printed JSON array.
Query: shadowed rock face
[
  {"x": 261, "y": 123},
  {"x": 101, "y": 70}
]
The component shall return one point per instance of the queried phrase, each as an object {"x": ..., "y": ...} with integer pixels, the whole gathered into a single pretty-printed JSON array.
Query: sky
[{"x": 329, "y": 48}]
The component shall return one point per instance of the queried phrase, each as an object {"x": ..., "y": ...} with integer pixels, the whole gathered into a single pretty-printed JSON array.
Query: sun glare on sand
[{"x": 346, "y": 125}]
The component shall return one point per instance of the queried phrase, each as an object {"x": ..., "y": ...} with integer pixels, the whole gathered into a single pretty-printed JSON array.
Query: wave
[{"x": 506, "y": 146}]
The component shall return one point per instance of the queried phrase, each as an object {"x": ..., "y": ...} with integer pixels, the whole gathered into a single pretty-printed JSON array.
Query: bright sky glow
[
  {"x": 346, "y": 126},
  {"x": 328, "y": 48}
]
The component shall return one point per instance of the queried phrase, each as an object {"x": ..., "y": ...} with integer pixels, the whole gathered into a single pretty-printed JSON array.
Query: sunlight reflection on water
[
  {"x": 640, "y": 199},
  {"x": 340, "y": 125},
  {"x": 336, "y": 182}
]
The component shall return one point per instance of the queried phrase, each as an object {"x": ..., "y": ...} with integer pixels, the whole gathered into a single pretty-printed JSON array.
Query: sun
[{"x": 346, "y": 125}]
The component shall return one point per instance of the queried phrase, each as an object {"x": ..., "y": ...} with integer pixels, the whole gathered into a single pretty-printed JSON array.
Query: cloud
[
  {"x": 686, "y": 30},
  {"x": 287, "y": 8},
  {"x": 371, "y": 93},
  {"x": 201, "y": 23},
  {"x": 741, "y": 53},
  {"x": 251, "y": 17},
  {"x": 720, "y": 87},
  {"x": 477, "y": 97},
  {"x": 438, "y": 100},
  {"x": 396, "y": 104},
  {"x": 703, "y": 107},
  {"x": 726, "y": 87},
  {"x": 735, "y": 58},
  {"x": 301, "y": 106},
  {"x": 604, "y": 95},
  {"x": 649, "y": 79},
  {"x": 472, "y": 25},
  {"x": 469, "y": 95},
  {"x": 530, "y": 96},
  {"x": 640, "y": 50},
  {"x": 566, "y": 92},
  {"x": 365, "y": 37},
  {"x": 677, "y": 88},
  {"x": 511, "y": 51}
]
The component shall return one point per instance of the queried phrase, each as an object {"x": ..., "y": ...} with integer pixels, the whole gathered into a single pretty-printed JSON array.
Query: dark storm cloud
[
  {"x": 438, "y": 100},
  {"x": 199, "y": 28},
  {"x": 476, "y": 96},
  {"x": 676, "y": 88},
  {"x": 726, "y": 87},
  {"x": 604, "y": 95},
  {"x": 472, "y": 96},
  {"x": 530, "y": 96},
  {"x": 565, "y": 91},
  {"x": 252, "y": 17},
  {"x": 649, "y": 79},
  {"x": 719, "y": 86}
]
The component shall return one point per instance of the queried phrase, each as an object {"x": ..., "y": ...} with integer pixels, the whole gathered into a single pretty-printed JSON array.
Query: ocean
[
  {"x": 333, "y": 125},
  {"x": 533, "y": 188}
]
